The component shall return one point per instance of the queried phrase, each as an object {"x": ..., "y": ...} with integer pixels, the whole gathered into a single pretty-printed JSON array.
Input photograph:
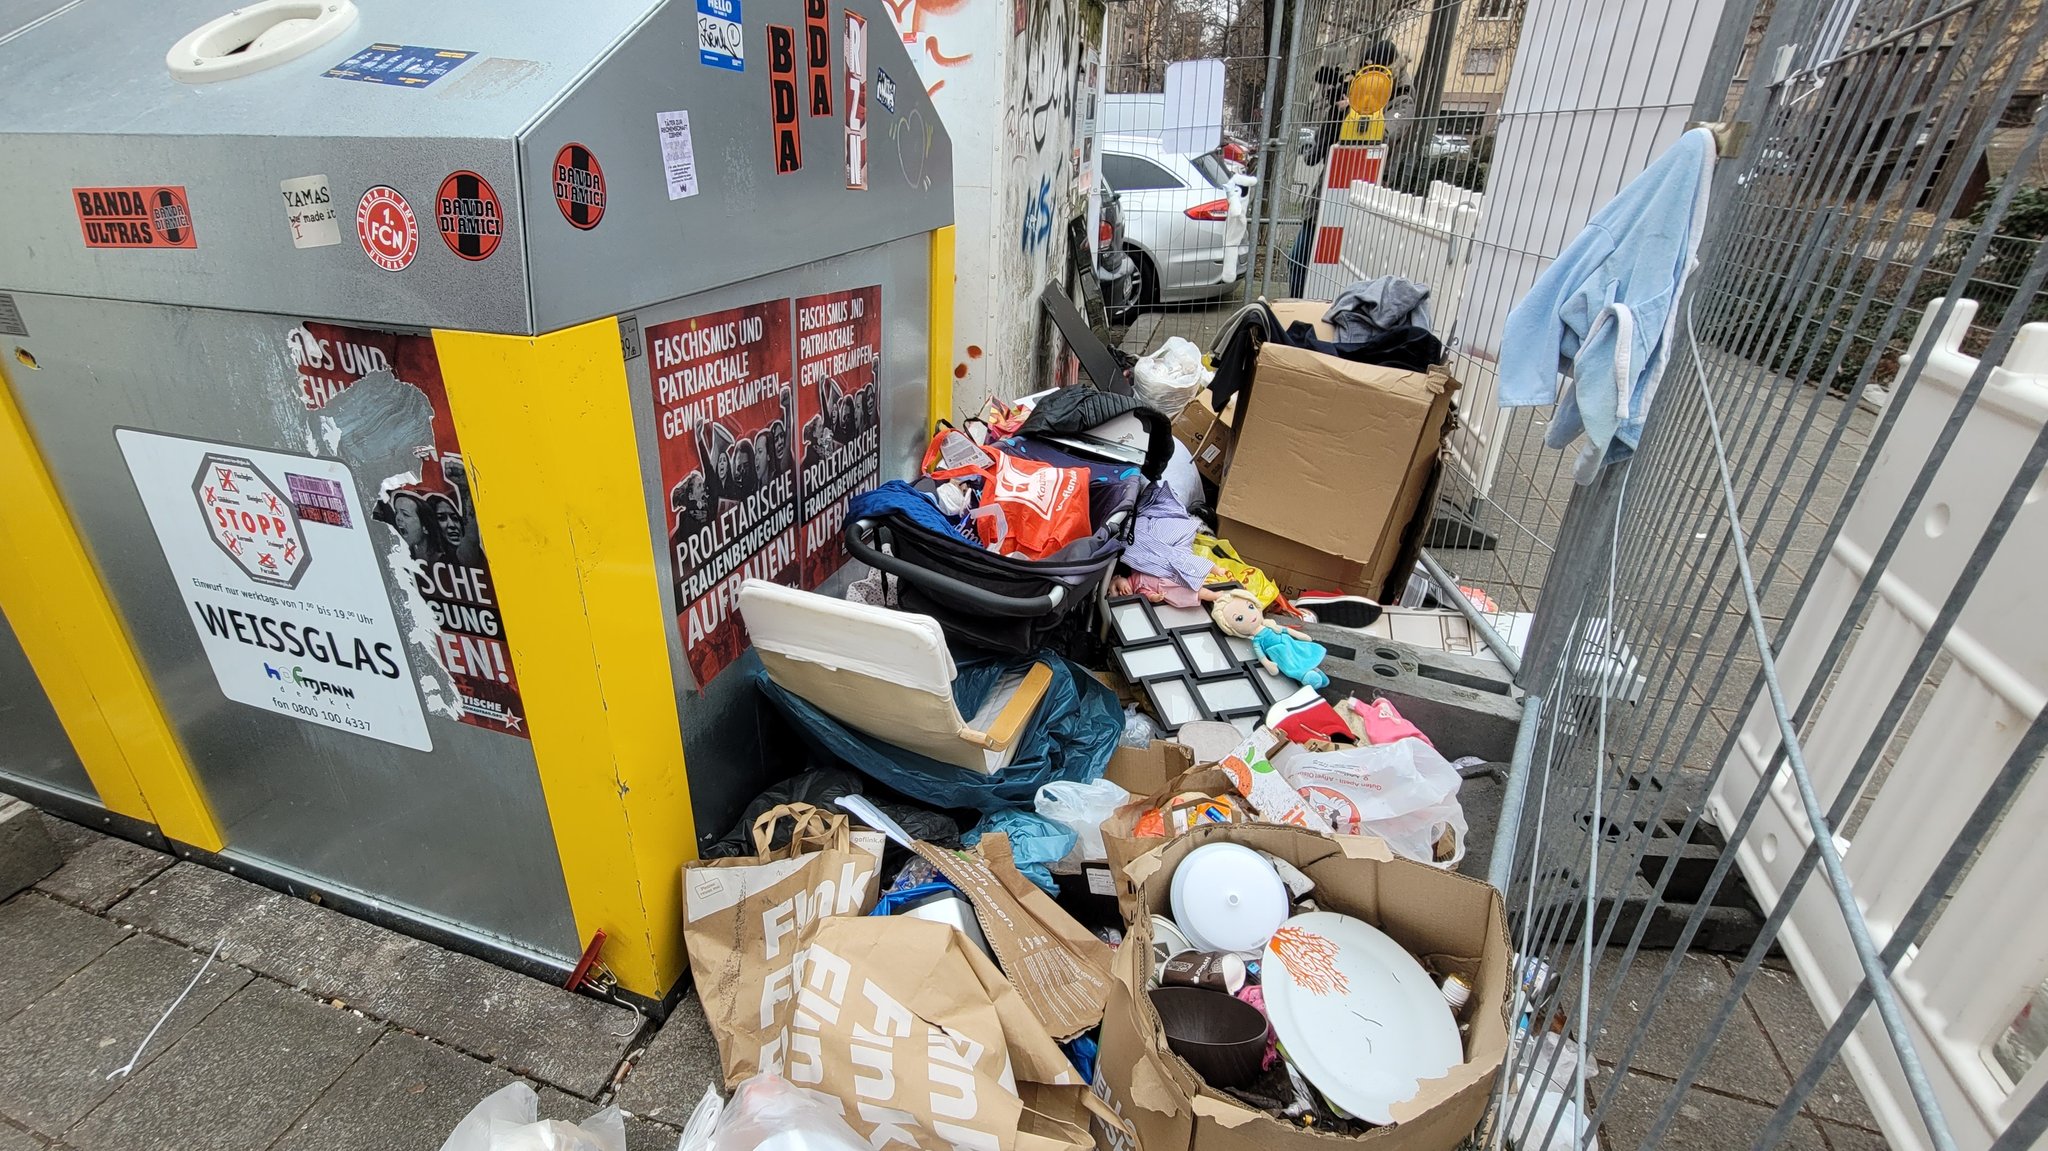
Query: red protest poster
[
  {"x": 839, "y": 408},
  {"x": 723, "y": 409},
  {"x": 384, "y": 408}
]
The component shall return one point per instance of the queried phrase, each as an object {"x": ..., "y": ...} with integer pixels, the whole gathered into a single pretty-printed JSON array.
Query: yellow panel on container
[
  {"x": 547, "y": 427},
  {"x": 82, "y": 654},
  {"x": 939, "y": 401}
]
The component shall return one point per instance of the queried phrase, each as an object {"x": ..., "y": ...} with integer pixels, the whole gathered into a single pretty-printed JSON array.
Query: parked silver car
[{"x": 1177, "y": 214}]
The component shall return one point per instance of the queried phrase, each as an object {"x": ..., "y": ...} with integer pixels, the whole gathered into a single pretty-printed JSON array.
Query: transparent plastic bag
[
  {"x": 509, "y": 1120},
  {"x": 1081, "y": 808},
  {"x": 771, "y": 1113},
  {"x": 1171, "y": 376},
  {"x": 1403, "y": 792}
]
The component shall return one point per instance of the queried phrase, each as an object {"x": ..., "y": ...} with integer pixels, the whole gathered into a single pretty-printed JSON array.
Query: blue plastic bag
[
  {"x": 1071, "y": 736},
  {"x": 1035, "y": 843}
]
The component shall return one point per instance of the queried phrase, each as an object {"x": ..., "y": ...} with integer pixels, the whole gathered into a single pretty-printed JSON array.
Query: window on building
[
  {"x": 1497, "y": 9},
  {"x": 1135, "y": 173},
  {"x": 1482, "y": 61},
  {"x": 2020, "y": 111}
]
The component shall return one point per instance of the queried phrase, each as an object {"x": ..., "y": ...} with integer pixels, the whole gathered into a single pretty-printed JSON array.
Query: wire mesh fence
[
  {"x": 1776, "y": 631},
  {"x": 1184, "y": 101},
  {"x": 1723, "y": 703}
]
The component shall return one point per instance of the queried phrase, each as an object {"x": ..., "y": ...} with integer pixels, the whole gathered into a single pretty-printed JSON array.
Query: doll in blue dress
[{"x": 1282, "y": 650}]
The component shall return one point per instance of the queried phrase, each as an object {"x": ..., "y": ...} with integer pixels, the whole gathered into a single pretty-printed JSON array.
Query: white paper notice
[
  {"x": 678, "y": 158},
  {"x": 271, "y": 553},
  {"x": 309, "y": 209}
]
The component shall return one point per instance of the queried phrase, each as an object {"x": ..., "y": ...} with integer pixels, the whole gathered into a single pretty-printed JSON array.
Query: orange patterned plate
[{"x": 1356, "y": 1013}]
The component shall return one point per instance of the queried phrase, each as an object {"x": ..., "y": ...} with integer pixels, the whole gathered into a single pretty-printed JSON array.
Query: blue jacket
[{"x": 1603, "y": 312}]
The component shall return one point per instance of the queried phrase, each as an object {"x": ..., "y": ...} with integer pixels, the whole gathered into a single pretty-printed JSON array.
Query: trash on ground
[{"x": 508, "y": 1119}]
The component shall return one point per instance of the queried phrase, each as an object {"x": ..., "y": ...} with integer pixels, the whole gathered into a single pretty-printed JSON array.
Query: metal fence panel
[{"x": 1861, "y": 783}]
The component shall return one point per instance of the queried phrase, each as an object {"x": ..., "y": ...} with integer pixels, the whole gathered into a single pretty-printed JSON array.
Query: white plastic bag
[
  {"x": 1169, "y": 377},
  {"x": 770, "y": 1113},
  {"x": 1403, "y": 792},
  {"x": 508, "y": 1119},
  {"x": 1082, "y": 807}
]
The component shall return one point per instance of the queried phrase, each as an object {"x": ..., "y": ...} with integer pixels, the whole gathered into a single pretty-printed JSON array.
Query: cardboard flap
[
  {"x": 1057, "y": 965},
  {"x": 1223, "y": 1113},
  {"x": 1143, "y": 867},
  {"x": 1364, "y": 847},
  {"x": 1152, "y": 1088},
  {"x": 1450, "y": 1084}
]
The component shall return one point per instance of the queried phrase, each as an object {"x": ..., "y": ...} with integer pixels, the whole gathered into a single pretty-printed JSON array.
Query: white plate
[
  {"x": 1356, "y": 1013},
  {"x": 1226, "y": 898}
]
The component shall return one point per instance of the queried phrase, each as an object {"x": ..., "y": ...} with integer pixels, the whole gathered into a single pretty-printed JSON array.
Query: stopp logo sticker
[
  {"x": 155, "y": 217},
  {"x": 389, "y": 231},
  {"x": 467, "y": 212},
  {"x": 579, "y": 186}
]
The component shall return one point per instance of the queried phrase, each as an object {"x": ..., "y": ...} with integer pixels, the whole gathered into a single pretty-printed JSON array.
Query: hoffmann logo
[{"x": 386, "y": 226}]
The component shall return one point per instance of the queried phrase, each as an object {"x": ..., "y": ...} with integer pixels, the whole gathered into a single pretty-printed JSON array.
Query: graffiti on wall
[{"x": 922, "y": 42}]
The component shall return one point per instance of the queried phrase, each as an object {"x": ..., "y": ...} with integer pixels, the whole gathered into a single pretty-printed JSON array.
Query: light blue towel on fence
[{"x": 1604, "y": 311}]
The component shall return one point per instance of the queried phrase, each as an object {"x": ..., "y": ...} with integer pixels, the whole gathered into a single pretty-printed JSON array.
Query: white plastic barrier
[
  {"x": 1974, "y": 989},
  {"x": 1381, "y": 232}
]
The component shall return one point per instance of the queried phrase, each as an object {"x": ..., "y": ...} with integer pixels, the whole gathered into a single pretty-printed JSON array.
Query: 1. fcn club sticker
[{"x": 389, "y": 231}]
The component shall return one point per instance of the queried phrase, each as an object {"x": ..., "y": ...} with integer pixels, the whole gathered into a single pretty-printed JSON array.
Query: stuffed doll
[{"x": 1282, "y": 650}]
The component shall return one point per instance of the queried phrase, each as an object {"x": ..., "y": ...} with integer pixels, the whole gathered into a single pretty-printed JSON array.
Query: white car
[{"x": 1182, "y": 215}]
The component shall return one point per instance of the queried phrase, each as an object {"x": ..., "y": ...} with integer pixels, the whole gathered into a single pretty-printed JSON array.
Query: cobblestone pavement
[{"x": 316, "y": 1032}]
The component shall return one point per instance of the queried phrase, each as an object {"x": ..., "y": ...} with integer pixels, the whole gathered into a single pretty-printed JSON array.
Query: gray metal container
[{"x": 194, "y": 334}]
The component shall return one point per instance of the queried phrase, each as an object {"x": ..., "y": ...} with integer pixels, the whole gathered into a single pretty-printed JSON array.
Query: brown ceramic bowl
[{"x": 1222, "y": 1037}]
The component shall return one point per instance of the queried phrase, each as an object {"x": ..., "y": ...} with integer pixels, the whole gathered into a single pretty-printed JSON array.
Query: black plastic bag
[{"x": 820, "y": 787}]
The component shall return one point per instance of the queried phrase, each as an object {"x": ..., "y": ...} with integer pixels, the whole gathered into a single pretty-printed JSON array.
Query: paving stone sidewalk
[{"x": 316, "y": 1032}]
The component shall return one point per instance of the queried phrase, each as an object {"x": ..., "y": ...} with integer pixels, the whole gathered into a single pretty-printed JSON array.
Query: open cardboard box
[
  {"x": 1448, "y": 921},
  {"x": 1140, "y": 771},
  {"x": 1334, "y": 465}
]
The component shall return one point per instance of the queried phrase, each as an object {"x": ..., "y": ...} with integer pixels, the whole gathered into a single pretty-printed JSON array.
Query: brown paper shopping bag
[
  {"x": 1059, "y": 967},
  {"x": 922, "y": 1040},
  {"x": 744, "y": 918}
]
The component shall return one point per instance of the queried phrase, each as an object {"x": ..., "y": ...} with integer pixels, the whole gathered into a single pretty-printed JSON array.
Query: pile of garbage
[{"x": 1085, "y": 848}]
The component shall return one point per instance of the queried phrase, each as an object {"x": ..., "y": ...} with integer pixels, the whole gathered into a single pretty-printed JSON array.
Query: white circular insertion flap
[{"x": 253, "y": 38}]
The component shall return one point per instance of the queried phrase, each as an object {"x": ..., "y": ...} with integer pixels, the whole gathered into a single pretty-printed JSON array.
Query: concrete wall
[{"x": 1006, "y": 76}]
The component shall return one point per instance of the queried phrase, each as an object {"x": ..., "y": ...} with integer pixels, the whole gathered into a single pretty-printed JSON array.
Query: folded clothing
[{"x": 899, "y": 496}]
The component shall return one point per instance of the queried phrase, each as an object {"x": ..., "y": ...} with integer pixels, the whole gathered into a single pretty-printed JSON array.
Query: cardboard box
[
  {"x": 1448, "y": 921},
  {"x": 1207, "y": 437},
  {"x": 1142, "y": 771},
  {"x": 1332, "y": 466},
  {"x": 1123, "y": 847}
]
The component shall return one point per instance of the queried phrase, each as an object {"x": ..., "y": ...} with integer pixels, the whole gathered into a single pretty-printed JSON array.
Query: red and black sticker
[
  {"x": 782, "y": 97},
  {"x": 156, "y": 217},
  {"x": 579, "y": 186},
  {"x": 387, "y": 228},
  {"x": 818, "y": 55},
  {"x": 466, "y": 210}
]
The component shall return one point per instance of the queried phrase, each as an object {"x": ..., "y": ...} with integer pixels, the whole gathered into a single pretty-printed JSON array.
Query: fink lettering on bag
[
  {"x": 882, "y": 1052},
  {"x": 143, "y": 217},
  {"x": 838, "y": 895}
]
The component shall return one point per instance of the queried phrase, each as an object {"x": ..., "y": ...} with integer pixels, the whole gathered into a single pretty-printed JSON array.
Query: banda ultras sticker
[
  {"x": 144, "y": 217},
  {"x": 579, "y": 187},
  {"x": 389, "y": 231},
  {"x": 467, "y": 212}
]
